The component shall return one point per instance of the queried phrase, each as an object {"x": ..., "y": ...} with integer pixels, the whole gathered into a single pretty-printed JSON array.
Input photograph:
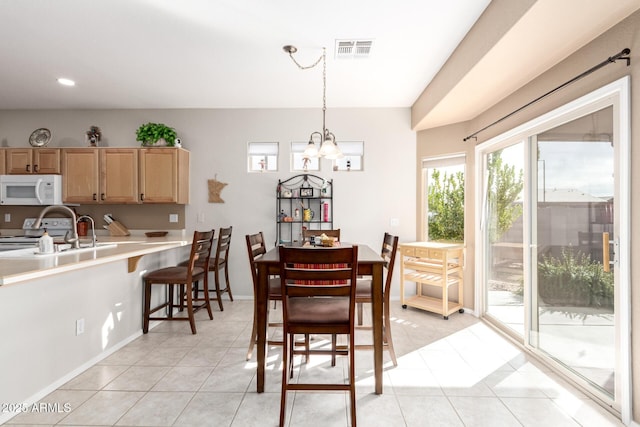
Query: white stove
[{"x": 56, "y": 227}]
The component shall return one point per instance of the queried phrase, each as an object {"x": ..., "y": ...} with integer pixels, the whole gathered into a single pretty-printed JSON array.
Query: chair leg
[
  {"x": 147, "y": 307},
  {"x": 285, "y": 379},
  {"x": 352, "y": 379},
  {"x": 334, "y": 342},
  {"x": 254, "y": 331},
  {"x": 192, "y": 320},
  {"x": 291, "y": 347},
  {"x": 218, "y": 293},
  {"x": 359, "y": 306},
  {"x": 226, "y": 279},
  {"x": 387, "y": 334},
  {"x": 170, "y": 301}
]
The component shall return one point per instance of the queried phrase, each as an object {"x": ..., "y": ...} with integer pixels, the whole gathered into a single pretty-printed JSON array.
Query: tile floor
[{"x": 451, "y": 373}]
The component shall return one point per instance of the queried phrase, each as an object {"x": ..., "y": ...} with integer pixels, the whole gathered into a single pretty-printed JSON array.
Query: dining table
[{"x": 370, "y": 263}]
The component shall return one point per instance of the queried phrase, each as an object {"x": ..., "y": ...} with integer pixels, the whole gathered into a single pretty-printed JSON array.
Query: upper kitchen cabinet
[
  {"x": 100, "y": 175},
  {"x": 32, "y": 160},
  {"x": 3, "y": 162},
  {"x": 164, "y": 175}
]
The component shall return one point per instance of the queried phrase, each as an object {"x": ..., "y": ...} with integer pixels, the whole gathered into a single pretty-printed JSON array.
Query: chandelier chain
[{"x": 302, "y": 67}]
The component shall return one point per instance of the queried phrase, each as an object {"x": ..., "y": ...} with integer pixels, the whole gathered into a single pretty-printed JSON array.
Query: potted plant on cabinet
[{"x": 155, "y": 133}]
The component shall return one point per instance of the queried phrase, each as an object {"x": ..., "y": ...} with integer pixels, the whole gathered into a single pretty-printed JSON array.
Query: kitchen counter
[{"x": 16, "y": 269}]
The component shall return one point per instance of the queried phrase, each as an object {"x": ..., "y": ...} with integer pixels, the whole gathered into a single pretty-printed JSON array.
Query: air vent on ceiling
[{"x": 353, "y": 48}]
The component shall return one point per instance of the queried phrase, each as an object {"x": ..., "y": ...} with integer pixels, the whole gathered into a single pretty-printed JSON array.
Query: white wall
[{"x": 364, "y": 202}]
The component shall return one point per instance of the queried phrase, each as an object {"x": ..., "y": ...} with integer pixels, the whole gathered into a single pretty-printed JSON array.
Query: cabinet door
[
  {"x": 19, "y": 160},
  {"x": 3, "y": 162},
  {"x": 164, "y": 175},
  {"x": 33, "y": 160},
  {"x": 46, "y": 160},
  {"x": 119, "y": 175},
  {"x": 80, "y": 175}
]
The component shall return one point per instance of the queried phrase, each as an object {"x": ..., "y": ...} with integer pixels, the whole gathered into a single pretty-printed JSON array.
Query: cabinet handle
[
  {"x": 95, "y": 196},
  {"x": 141, "y": 196},
  {"x": 35, "y": 168},
  {"x": 102, "y": 196},
  {"x": 28, "y": 168}
]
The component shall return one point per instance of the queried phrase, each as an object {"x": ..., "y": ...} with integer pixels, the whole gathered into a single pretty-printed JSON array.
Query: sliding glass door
[
  {"x": 552, "y": 227},
  {"x": 573, "y": 317}
]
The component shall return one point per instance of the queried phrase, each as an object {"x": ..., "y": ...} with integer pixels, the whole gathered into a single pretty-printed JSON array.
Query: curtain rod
[{"x": 621, "y": 55}]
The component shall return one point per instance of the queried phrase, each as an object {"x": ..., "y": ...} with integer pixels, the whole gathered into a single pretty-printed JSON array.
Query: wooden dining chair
[
  {"x": 318, "y": 287},
  {"x": 256, "y": 248},
  {"x": 186, "y": 276},
  {"x": 363, "y": 295}
]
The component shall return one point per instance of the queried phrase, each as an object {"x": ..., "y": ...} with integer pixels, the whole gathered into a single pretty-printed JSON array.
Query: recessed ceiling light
[{"x": 66, "y": 82}]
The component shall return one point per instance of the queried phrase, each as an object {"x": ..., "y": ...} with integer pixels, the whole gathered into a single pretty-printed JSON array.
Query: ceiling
[
  {"x": 129, "y": 54},
  {"x": 222, "y": 53}
]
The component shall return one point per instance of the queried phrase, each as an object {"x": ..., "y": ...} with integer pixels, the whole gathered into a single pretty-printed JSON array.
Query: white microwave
[{"x": 30, "y": 190}]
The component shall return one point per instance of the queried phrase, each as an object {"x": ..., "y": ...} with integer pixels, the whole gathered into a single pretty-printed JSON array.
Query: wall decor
[{"x": 215, "y": 188}]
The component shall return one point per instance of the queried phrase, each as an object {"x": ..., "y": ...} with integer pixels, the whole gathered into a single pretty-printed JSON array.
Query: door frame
[{"x": 616, "y": 94}]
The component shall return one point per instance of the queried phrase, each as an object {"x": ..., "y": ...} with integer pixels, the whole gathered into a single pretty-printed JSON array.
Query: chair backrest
[
  {"x": 329, "y": 233},
  {"x": 200, "y": 251},
  {"x": 224, "y": 243},
  {"x": 306, "y": 272},
  {"x": 388, "y": 253},
  {"x": 256, "y": 248}
]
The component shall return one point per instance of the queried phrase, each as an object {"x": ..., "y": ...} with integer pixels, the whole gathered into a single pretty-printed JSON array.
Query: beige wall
[
  {"x": 364, "y": 202},
  {"x": 448, "y": 139}
]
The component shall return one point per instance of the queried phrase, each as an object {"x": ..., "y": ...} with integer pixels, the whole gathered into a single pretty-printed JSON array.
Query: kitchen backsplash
[{"x": 134, "y": 217}]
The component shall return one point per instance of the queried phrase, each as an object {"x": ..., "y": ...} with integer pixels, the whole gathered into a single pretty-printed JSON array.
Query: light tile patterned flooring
[{"x": 455, "y": 372}]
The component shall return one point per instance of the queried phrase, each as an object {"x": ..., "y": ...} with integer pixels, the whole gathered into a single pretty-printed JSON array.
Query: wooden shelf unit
[{"x": 435, "y": 265}]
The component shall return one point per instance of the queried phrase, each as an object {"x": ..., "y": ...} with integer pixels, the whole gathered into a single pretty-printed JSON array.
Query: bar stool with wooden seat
[
  {"x": 216, "y": 265},
  {"x": 184, "y": 275},
  {"x": 363, "y": 295},
  {"x": 318, "y": 297}
]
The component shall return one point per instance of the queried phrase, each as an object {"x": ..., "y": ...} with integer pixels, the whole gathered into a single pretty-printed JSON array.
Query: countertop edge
[{"x": 20, "y": 270}]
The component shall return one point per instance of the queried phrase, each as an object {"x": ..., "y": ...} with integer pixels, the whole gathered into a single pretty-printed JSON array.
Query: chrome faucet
[
  {"x": 93, "y": 229},
  {"x": 72, "y": 235}
]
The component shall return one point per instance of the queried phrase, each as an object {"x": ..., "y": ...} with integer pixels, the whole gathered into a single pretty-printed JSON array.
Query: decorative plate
[
  {"x": 40, "y": 137},
  {"x": 156, "y": 233}
]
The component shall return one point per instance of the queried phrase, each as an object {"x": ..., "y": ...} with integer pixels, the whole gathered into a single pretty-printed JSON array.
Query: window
[
  {"x": 353, "y": 157},
  {"x": 262, "y": 156},
  {"x": 443, "y": 195},
  {"x": 298, "y": 163}
]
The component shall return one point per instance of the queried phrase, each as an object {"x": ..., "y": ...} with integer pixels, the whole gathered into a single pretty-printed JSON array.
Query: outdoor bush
[{"x": 574, "y": 280}]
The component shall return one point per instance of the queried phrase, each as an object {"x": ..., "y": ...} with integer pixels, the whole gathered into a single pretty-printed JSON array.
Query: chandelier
[{"x": 327, "y": 146}]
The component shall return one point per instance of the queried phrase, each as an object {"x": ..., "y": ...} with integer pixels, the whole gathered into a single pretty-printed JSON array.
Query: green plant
[
  {"x": 446, "y": 206},
  {"x": 150, "y": 133},
  {"x": 574, "y": 280},
  {"x": 503, "y": 189}
]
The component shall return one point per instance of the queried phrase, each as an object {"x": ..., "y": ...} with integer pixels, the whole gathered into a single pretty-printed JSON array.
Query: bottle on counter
[{"x": 45, "y": 243}]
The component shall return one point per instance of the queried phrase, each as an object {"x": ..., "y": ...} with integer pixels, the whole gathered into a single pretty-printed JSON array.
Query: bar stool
[
  {"x": 184, "y": 275},
  {"x": 216, "y": 265}
]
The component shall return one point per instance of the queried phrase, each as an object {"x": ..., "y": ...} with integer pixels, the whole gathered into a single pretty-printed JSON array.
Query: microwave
[{"x": 30, "y": 190}]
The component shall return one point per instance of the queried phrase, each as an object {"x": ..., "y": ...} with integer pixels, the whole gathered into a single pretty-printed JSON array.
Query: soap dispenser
[{"x": 45, "y": 243}]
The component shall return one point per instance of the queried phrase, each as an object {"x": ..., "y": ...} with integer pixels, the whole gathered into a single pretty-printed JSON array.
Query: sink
[{"x": 63, "y": 250}]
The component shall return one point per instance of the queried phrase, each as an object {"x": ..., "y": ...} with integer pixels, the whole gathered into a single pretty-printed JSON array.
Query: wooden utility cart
[{"x": 432, "y": 264}]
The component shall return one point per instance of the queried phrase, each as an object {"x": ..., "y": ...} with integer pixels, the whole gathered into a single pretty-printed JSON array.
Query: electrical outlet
[
  {"x": 173, "y": 217},
  {"x": 200, "y": 217},
  {"x": 79, "y": 327},
  {"x": 7, "y": 217},
  {"x": 394, "y": 222}
]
